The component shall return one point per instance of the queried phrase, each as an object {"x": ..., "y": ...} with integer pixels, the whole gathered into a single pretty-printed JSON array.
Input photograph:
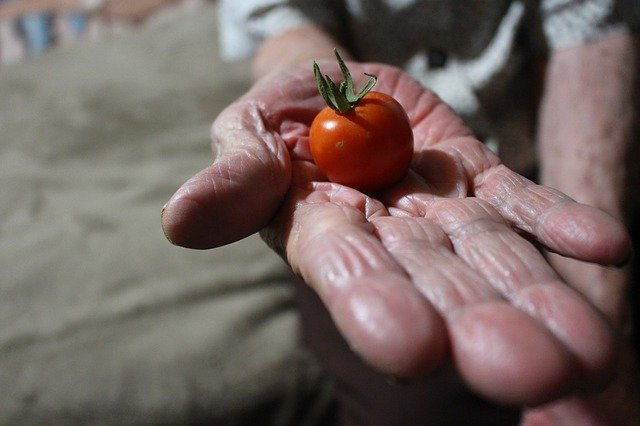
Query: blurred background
[
  {"x": 105, "y": 110},
  {"x": 31, "y": 27}
]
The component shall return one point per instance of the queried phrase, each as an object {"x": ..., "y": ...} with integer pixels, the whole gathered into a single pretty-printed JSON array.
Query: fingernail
[{"x": 162, "y": 224}]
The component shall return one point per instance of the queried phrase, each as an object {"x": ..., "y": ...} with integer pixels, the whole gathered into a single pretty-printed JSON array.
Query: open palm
[{"x": 441, "y": 267}]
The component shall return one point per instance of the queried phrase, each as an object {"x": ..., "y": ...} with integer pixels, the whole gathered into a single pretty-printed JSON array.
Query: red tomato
[{"x": 367, "y": 148}]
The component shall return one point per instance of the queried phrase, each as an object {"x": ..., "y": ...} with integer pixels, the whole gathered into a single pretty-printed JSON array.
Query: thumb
[{"x": 240, "y": 192}]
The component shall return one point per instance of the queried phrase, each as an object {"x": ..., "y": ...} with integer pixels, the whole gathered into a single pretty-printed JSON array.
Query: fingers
[
  {"x": 519, "y": 272},
  {"x": 552, "y": 218},
  {"x": 605, "y": 287},
  {"x": 495, "y": 347},
  {"x": 239, "y": 193},
  {"x": 507, "y": 357},
  {"x": 426, "y": 254},
  {"x": 371, "y": 299},
  {"x": 562, "y": 225},
  {"x": 577, "y": 325},
  {"x": 481, "y": 237},
  {"x": 517, "y": 334}
]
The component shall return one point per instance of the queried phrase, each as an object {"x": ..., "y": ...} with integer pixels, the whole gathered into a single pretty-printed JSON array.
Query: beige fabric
[{"x": 102, "y": 320}]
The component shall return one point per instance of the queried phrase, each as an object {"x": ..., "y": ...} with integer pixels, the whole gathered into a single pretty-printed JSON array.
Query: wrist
[{"x": 297, "y": 46}]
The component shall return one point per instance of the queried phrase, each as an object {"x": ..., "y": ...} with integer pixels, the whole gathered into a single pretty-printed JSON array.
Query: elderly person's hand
[{"x": 443, "y": 266}]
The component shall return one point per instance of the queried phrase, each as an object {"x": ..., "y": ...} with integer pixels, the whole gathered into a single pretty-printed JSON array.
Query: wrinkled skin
[{"x": 442, "y": 266}]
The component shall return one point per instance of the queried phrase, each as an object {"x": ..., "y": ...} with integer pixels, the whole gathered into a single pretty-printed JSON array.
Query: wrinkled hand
[{"x": 439, "y": 267}]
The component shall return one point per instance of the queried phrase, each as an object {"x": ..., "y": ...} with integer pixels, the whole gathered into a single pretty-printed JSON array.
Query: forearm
[
  {"x": 296, "y": 46},
  {"x": 586, "y": 122}
]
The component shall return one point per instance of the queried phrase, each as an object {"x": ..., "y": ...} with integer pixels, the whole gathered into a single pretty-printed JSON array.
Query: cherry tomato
[
  {"x": 368, "y": 148},
  {"x": 361, "y": 140}
]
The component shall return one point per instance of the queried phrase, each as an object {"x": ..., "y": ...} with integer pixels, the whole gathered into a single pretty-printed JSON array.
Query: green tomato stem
[{"x": 341, "y": 98}]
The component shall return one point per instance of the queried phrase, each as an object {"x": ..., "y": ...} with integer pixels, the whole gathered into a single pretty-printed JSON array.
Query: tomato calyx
[{"x": 343, "y": 97}]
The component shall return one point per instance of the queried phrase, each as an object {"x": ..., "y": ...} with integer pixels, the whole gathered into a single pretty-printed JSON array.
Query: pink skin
[{"x": 435, "y": 269}]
